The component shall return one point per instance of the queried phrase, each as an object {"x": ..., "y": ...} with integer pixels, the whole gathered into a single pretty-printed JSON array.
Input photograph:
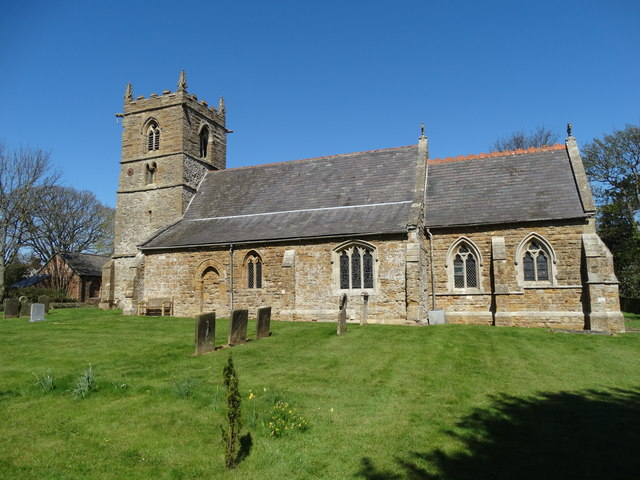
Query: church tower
[{"x": 169, "y": 142}]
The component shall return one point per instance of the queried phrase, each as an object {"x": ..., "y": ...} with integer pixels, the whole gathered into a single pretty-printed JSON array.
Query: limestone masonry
[{"x": 504, "y": 239}]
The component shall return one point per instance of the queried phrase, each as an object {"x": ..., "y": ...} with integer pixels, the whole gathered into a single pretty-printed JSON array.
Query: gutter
[{"x": 433, "y": 278}]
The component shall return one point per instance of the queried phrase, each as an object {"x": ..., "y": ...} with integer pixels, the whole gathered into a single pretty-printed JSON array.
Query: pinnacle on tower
[
  {"x": 128, "y": 93},
  {"x": 182, "y": 81},
  {"x": 221, "y": 108}
]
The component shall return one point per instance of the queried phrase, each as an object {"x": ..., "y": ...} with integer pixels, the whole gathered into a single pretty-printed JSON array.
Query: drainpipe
[
  {"x": 433, "y": 278},
  {"x": 230, "y": 278}
]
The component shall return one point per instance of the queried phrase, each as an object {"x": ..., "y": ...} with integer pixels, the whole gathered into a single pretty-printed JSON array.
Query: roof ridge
[
  {"x": 310, "y": 159},
  {"x": 506, "y": 153}
]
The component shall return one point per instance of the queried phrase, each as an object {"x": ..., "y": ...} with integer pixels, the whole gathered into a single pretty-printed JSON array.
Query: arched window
[
  {"x": 253, "y": 264},
  {"x": 356, "y": 266},
  {"x": 535, "y": 261},
  {"x": 204, "y": 142},
  {"x": 151, "y": 170},
  {"x": 463, "y": 266},
  {"x": 153, "y": 137}
]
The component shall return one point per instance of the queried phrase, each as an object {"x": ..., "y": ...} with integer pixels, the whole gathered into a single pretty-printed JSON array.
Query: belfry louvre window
[
  {"x": 535, "y": 264},
  {"x": 204, "y": 142},
  {"x": 356, "y": 268},
  {"x": 153, "y": 137},
  {"x": 465, "y": 268},
  {"x": 254, "y": 271}
]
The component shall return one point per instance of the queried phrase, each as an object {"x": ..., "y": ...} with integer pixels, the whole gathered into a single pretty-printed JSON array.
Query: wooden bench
[{"x": 156, "y": 306}]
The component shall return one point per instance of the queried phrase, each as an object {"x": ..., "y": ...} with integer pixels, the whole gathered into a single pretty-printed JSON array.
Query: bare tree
[
  {"x": 25, "y": 174},
  {"x": 70, "y": 220},
  {"x": 520, "y": 139}
]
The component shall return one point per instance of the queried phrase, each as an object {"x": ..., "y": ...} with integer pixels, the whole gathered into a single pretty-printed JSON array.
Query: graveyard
[{"x": 377, "y": 402}]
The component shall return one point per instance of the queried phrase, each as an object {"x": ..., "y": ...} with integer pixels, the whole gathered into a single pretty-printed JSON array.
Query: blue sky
[{"x": 307, "y": 79}]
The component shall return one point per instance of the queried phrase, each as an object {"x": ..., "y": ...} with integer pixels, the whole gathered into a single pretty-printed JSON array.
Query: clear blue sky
[{"x": 305, "y": 79}]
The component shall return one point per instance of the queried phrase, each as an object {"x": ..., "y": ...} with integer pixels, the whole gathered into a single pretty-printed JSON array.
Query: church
[{"x": 504, "y": 239}]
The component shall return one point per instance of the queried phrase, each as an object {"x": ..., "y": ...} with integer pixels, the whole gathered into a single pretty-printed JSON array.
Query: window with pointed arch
[
  {"x": 463, "y": 266},
  {"x": 536, "y": 259},
  {"x": 153, "y": 136},
  {"x": 356, "y": 266},
  {"x": 253, "y": 264},
  {"x": 204, "y": 142}
]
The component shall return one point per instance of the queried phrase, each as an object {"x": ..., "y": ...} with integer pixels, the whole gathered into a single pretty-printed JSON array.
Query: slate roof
[
  {"x": 85, "y": 263},
  {"x": 30, "y": 281},
  {"x": 351, "y": 194},
  {"x": 502, "y": 189},
  {"x": 371, "y": 193}
]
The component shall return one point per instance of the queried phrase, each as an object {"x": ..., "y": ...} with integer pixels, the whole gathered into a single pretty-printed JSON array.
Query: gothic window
[
  {"x": 253, "y": 265},
  {"x": 465, "y": 268},
  {"x": 535, "y": 263},
  {"x": 356, "y": 267},
  {"x": 153, "y": 137},
  {"x": 204, "y": 142}
]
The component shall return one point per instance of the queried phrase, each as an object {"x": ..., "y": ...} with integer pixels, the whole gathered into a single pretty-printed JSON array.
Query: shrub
[
  {"x": 32, "y": 293},
  {"x": 231, "y": 435},
  {"x": 86, "y": 383},
  {"x": 46, "y": 381}
]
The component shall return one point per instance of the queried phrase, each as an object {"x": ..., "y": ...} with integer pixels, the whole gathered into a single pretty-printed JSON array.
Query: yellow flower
[
  {"x": 331, "y": 410},
  {"x": 251, "y": 396}
]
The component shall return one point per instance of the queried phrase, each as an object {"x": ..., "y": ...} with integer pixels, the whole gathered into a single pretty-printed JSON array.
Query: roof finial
[
  {"x": 422, "y": 130},
  {"x": 569, "y": 130},
  {"x": 221, "y": 108},
  {"x": 182, "y": 82},
  {"x": 128, "y": 93}
]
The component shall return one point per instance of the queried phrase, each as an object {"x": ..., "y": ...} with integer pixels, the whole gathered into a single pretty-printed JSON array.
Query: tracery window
[
  {"x": 153, "y": 137},
  {"x": 204, "y": 142},
  {"x": 356, "y": 267},
  {"x": 465, "y": 268},
  {"x": 253, "y": 265},
  {"x": 535, "y": 263}
]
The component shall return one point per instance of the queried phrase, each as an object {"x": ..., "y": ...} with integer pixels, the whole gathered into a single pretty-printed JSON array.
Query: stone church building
[{"x": 506, "y": 238}]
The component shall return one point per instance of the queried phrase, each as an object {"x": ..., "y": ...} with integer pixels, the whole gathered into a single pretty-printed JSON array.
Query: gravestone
[
  {"x": 11, "y": 308},
  {"x": 342, "y": 316},
  {"x": 25, "y": 307},
  {"x": 264, "y": 322},
  {"x": 37, "y": 312},
  {"x": 46, "y": 301},
  {"x": 205, "y": 332},
  {"x": 238, "y": 328}
]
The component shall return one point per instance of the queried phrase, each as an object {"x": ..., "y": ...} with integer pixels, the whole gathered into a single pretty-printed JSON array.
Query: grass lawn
[
  {"x": 632, "y": 321},
  {"x": 382, "y": 402}
]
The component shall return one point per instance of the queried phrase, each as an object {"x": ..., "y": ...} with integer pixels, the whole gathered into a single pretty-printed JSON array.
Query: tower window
[
  {"x": 204, "y": 142},
  {"x": 153, "y": 137}
]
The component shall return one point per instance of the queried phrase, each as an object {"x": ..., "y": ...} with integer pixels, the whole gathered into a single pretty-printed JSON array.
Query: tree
[
  {"x": 613, "y": 166},
  {"x": 520, "y": 139},
  {"x": 25, "y": 175},
  {"x": 70, "y": 220},
  {"x": 231, "y": 435}
]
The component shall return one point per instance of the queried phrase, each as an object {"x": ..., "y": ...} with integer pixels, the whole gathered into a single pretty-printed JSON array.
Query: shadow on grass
[
  {"x": 585, "y": 435},
  {"x": 246, "y": 442}
]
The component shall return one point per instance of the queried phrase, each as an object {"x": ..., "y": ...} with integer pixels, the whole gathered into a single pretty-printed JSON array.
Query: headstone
[
  {"x": 264, "y": 322},
  {"x": 46, "y": 301},
  {"x": 342, "y": 316},
  {"x": 37, "y": 312},
  {"x": 25, "y": 307},
  {"x": 11, "y": 308},
  {"x": 365, "y": 309},
  {"x": 238, "y": 328},
  {"x": 205, "y": 332}
]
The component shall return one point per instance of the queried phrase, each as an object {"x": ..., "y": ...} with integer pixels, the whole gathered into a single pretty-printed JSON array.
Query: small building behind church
[{"x": 505, "y": 239}]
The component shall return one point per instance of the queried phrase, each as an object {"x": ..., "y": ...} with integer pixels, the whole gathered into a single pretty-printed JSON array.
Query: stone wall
[{"x": 299, "y": 281}]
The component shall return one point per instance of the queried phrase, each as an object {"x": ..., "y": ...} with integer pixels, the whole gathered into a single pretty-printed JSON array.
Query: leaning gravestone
[
  {"x": 342, "y": 316},
  {"x": 238, "y": 330},
  {"x": 37, "y": 312},
  {"x": 46, "y": 301},
  {"x": 205, "y": 332},
  {"x": 264, "y": 322},
  {"x": 11, "y": 308}
]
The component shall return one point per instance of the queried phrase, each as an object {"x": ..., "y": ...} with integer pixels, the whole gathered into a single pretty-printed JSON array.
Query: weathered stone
[
  {"x": 238, "y": 327},
  {"x": 37, "y": 312},
  {"x": 44, "y": 299},
  {"x": 263, "y": 322},
  {"x": 342, "y": 315},
  {"x": 25, "y": 307},
  {"x": 205, "y": 332},
  {"x": 11, "y": 308}
]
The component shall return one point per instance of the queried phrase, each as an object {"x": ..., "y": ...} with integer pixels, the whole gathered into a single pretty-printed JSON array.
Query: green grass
[
  {"x": 632, "y": 321},
  {"x": 381, "y": 402}
]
